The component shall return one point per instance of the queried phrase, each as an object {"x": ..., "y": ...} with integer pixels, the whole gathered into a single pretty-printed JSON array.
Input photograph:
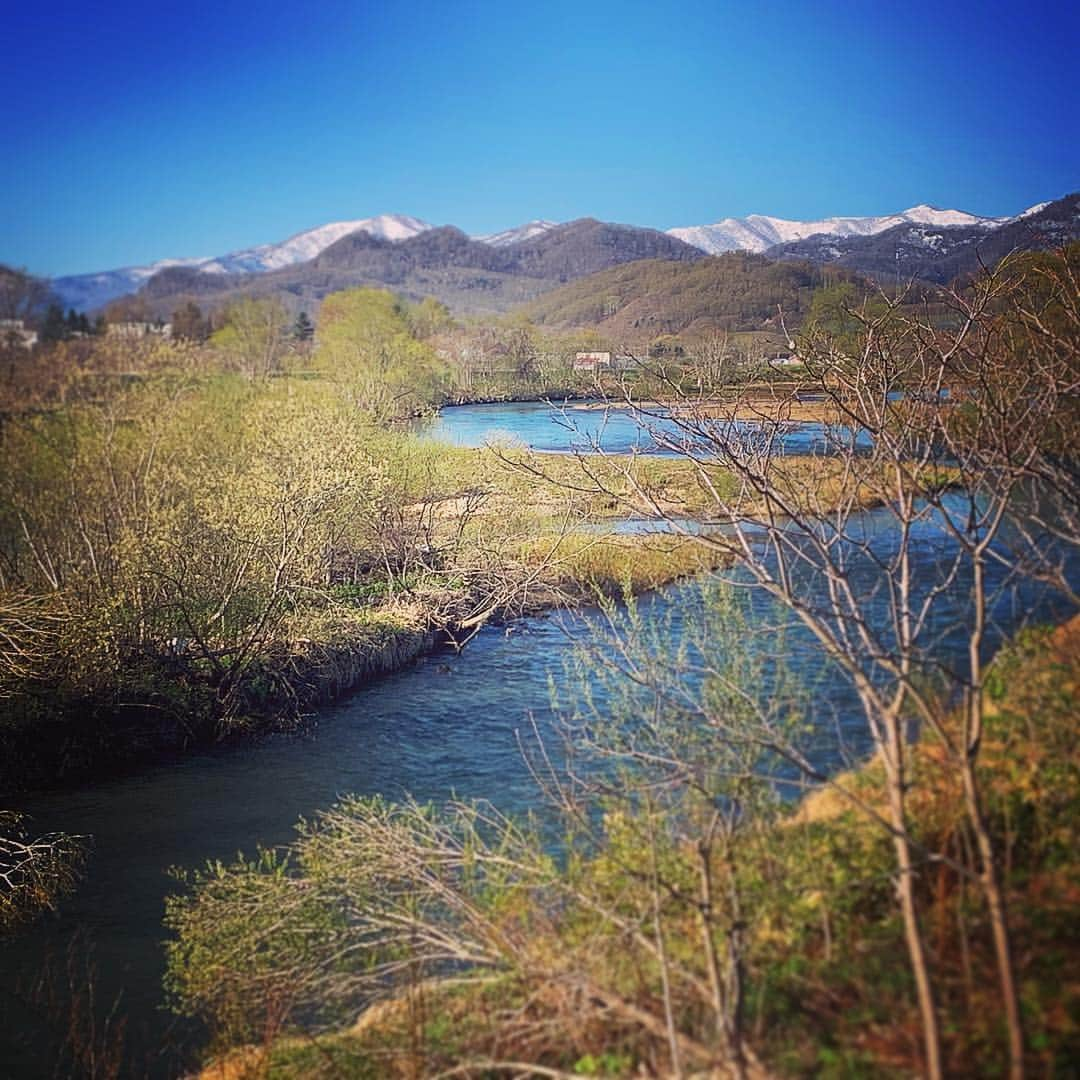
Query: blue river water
[
  {"x": 582, "y": 427},
  {"x": 448, "y": 725}
]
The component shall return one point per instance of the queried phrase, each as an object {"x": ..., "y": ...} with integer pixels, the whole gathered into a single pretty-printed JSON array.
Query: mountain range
[
  {"x": 468, "y": 275},
  {"x": 85, "y": 292},
  {"x": 492, "y": 272},
  {"x": 932, "y": 252},
  {"x": 758, "y": 233}
]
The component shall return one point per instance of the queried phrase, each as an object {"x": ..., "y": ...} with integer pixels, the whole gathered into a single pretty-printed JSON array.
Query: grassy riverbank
[
  {"x": 164, "y": 705},
  {"x": 451, "y": 539},
  {"x": 448, "y": 540},
  {"x": 824, "y": 995}
]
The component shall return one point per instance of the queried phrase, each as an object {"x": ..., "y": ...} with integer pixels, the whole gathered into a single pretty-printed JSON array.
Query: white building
[
  {"x": 592, "y": 361},
  {"x": 140, "y": 329},
  {"x": 13, "y": 333}
]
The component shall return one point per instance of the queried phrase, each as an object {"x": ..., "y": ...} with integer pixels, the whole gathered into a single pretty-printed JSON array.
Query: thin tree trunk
[
  {"x": 892, "y": 760},
  {"x": 728, "y": 1011},
  {"x": 662, "y": 957},
  {"x": 999, "y": 924},
  {"x": 991, "y": 884}
]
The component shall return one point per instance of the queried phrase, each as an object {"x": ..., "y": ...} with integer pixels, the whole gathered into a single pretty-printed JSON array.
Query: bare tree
[
  {"x": 34, "y": 870},
  {"x": 941, "y": 428}
]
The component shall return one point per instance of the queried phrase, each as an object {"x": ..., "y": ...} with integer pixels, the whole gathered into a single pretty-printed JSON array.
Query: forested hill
[
  {"x": 642, "y": 300},
  {"x": 939, "y": 254},
  {"x": 467, "y": 275}
]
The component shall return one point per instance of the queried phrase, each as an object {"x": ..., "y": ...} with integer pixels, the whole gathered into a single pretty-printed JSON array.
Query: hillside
[
  {"x": 936, "y": 253},
  {"x": 468, "y": 275},
  {"x": 736, "y": 291}
]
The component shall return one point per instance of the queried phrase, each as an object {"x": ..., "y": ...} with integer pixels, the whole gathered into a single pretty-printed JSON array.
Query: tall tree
[
  {"x": 21, "y": 294},
  {"x": 303, "y": 328},
  {"x": 53, "y": 327},
  {"x": 367, "y": 344},
  {"x": 189, "y": 323},
  {"x": 255, "y": 333}
]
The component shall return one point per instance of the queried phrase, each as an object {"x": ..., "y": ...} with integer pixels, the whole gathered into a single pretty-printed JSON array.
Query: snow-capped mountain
[
  {"x": 84, "y": 292},
  {"x": 522, "y": 232},
  {"x": 87, "y": 291},
  {"x": 757, "y": 232},
  {"x": 306, "y": 245},
  {"x": 939, "y": 253}
]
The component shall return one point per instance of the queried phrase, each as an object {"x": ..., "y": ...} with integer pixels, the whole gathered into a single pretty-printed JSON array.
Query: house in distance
[{"x": 592, "y": 361}]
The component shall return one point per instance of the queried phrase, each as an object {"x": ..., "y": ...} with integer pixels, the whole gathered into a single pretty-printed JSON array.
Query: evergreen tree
[
  {"x": 303, "y": 328},
  {"x": 53, "y": 327}
]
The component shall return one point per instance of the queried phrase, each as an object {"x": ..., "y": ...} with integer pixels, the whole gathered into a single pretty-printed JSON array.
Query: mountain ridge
[
  {"x": 756, "y": 233},
  {"x": 467, "y": 274},
  {"x": 85, "y": 292},
  {"x": 938, "y": 254}
]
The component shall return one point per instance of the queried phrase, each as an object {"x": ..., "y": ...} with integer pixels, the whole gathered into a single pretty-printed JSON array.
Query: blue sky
[{"x": 137, "y": 131}]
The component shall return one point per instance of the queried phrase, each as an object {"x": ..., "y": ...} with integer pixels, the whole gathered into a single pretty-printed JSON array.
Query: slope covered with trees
[{"x": 721, "y": 293}]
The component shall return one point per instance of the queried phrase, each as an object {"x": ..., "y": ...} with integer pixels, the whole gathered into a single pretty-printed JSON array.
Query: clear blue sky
[{"x": 134, "y": 131}]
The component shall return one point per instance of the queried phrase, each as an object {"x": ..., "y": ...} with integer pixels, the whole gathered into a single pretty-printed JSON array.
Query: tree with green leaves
[
  {"x": 429, "y": 317},
  {"x": 255, "y": 334},
  {"x": 366, "y": 344}
]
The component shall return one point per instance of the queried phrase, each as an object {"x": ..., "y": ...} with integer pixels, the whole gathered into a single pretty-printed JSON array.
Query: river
[
  {"x": 445, "y": 726},
  {"x": 584, "y": 427}
]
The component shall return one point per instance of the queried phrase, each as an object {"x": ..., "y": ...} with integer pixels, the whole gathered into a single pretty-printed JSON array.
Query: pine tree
[
  {"x": 53, "y": 327},
  {"x": 303, "y": 328}
]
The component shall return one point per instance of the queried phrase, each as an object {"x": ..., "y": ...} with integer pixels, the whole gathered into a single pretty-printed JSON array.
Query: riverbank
[
  {"x": 332, "y": 652},
  {"x": 554, "y": 394},
  {"x": 786, "y": 402},
  {"x": 529, "y": 533},
  {"x": 825, "y": 989}
]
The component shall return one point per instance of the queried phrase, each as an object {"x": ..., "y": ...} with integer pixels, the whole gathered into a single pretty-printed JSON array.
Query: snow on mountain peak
[
  {"x": 85, "y": 292},
  {"x": 932, "y": 215},
  {"x": 757, "y": 232},
  {"x": 306, "y": 245},
  {"x": 518, "y": 233}
]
